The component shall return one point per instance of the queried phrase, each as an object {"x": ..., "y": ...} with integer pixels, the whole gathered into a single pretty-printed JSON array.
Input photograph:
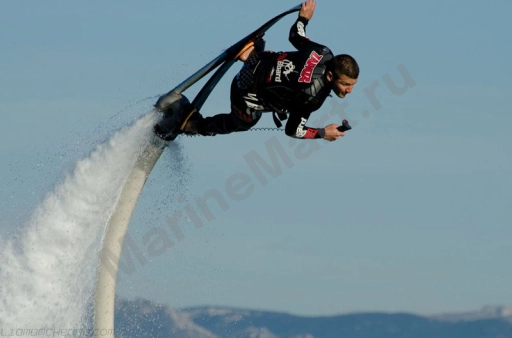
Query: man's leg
[
  {"x": 241, "y": 117},
  {"x": 235, "y": 121}
]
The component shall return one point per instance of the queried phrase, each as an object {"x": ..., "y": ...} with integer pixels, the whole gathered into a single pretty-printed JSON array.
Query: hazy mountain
[{"x": 142, "y": 318}]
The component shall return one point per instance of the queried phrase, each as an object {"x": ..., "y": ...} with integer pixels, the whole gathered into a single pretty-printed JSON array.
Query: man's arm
[
  {"x": 297, "y": 35},
  {"x": 296, "y": 128}
]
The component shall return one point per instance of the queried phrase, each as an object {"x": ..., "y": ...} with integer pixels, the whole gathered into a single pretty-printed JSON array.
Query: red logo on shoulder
[{"x": 307, "y": 71}]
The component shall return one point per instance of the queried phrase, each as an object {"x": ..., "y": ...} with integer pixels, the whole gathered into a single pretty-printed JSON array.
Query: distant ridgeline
[{"x": 142, "y": 318}]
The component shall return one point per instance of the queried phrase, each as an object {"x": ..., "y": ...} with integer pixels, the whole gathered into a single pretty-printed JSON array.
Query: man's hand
[
  {"x": 307, "y": 9},
  {"x": 332, "y": 133}
]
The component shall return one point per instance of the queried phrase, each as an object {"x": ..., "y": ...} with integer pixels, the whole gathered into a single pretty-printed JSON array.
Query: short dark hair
[{"x": 344, "y": 64}]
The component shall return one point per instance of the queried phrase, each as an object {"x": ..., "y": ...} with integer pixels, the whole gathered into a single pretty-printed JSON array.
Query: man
[{"x": 286, "y": 83}]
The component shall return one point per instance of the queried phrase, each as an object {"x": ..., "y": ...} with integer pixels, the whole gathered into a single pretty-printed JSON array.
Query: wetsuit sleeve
[
  {"x": 298, "y": 36},
  {"x": 296, "y": 127}
]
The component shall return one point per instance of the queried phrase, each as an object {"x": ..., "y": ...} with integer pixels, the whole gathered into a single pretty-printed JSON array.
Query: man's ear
[{"x": 329, "y": 76}]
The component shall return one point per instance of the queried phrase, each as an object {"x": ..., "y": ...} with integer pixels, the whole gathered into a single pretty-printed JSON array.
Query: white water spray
[{"x": 47, "y": 274}]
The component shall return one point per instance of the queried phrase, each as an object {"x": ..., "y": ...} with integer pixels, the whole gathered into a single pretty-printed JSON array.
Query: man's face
[{"x": 342, "y": 85}]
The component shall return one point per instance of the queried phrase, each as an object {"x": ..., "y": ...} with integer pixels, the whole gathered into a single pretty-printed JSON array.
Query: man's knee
[{"x": 245, "y": 119}]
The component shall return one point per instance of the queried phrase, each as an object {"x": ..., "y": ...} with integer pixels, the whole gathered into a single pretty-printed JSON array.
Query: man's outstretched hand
[
  {"x": 307, "y": 9},
  {"x": 332, "y": 133}
]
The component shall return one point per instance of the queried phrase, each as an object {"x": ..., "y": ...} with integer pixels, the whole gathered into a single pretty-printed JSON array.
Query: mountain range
[{"x": 143, "y": 318}]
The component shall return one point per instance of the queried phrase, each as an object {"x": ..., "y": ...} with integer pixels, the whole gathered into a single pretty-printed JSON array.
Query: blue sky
[{"x": 409, "y": 212}]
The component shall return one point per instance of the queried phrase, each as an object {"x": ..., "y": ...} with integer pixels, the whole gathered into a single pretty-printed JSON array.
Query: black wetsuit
[{"x": 291, "y": 83}]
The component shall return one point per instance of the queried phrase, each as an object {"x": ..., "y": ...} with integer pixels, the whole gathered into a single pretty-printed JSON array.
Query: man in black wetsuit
[{"x": 287, "y": 83}]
